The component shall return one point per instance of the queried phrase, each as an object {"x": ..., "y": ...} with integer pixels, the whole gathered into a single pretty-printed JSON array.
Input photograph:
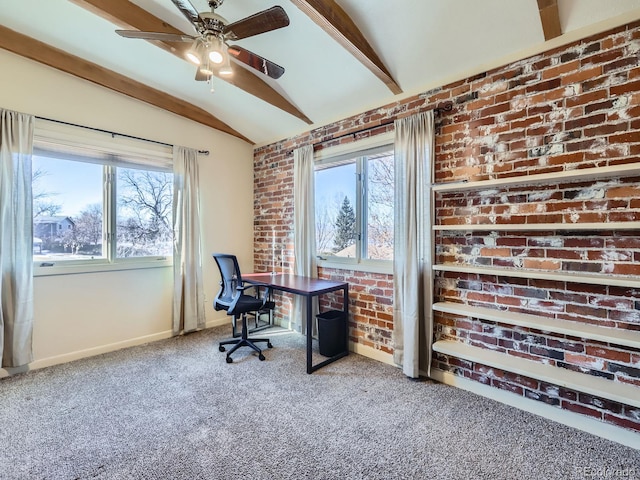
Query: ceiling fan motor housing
[{"x": 212, "y": 23}]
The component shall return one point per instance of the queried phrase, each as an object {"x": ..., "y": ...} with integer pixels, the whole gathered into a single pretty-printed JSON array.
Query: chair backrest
[{"x": 231, "y": 279}]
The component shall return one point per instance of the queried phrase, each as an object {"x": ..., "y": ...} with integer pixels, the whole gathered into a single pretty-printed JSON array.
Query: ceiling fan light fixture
[
  {"x": 193, "y": 58},
  {"x": 216, "y": 57},
  {"x": 205, "y": 70},
  {"x": 194, "y": 54},
  {"x": 216, "y": 50},
  {"x": 225, "y": 68}
]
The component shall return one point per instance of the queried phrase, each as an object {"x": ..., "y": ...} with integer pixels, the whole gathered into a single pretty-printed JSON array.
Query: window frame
[
  {"x": 69, "y": 137},
  {"x": 358, "y": 152}
]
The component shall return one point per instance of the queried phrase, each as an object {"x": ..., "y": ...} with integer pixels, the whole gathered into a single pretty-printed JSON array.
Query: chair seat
[{"x": 248, "y": 303}]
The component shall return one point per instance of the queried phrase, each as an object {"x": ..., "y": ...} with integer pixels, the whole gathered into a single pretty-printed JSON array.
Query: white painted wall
[{"x": 86, "y": 314}]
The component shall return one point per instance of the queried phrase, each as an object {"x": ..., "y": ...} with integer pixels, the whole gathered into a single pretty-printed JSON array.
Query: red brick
[
  {"x": 557, "y": 71},
  {"x": 535, "y": 264},
  {"x": 625, "y": 137},
  {"x": 622, "y": 422},
  {"x": 542, "y": 86},
  {"x": 615, "y": 355},
  {"x": 582, "y": 75},
  {"x": 585, "y": 121},
  {"x": 606, "y": 129},
  {"x": 586, "y": 98},
  {"x": 625, "y": 88},
  {"x": 582, "y": 409}
]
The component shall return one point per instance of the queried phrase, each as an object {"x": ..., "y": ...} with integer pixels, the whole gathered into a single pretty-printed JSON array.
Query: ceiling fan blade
[
  {"x": 189, "y": 11},
  {"x": 253, "y": 60},
  {"x": 165, "y": 37},
  {"x": 261, "y": 22}
]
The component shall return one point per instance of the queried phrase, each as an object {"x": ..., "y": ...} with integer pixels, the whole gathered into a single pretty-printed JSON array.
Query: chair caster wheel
[
  {"x": 221, "y": 348},
  {"x": 261, "y": 357},
  {"x": 269, "y": 345},
  {"x": 229, "y": 360}
]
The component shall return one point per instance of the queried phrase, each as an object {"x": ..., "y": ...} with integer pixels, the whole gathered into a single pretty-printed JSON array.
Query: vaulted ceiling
[{"x": 341, "y": 57}]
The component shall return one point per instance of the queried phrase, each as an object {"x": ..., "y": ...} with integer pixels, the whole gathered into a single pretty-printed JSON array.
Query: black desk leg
[
  {"x": 309, "y": 303},
  {"x": 310, "y": 367},
  {"x": 345, "y": 309}
]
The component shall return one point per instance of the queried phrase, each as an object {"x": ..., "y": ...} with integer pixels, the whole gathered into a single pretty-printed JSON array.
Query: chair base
[
  {"x": 244, "y": 341},
  {"x": 255, "y": 323}
]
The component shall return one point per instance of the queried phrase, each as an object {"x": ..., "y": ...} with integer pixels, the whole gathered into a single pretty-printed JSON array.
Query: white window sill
[
  {"x": 59, "y": 268},
  {"x": 369, "y": 267}
]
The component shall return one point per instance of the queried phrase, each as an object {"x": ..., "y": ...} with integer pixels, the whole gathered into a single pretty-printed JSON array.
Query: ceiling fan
[{"x": 209, "y": 49}]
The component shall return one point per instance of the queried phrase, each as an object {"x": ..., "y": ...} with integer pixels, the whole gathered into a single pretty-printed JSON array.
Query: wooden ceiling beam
[
  {"x": 127, "y": 15},
  {"x": 550, "y": 18},
  {"x": 41, "y": 52},
  {"x": 334, "y": 21}
]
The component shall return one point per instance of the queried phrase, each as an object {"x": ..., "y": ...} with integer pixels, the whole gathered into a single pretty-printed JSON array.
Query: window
[
  {"x": 354, "y": 195},
  {"x": 99, "y": 201}
]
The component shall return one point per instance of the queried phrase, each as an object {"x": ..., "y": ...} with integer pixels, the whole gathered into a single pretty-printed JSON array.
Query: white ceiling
[{"x": 423, "y": 43}]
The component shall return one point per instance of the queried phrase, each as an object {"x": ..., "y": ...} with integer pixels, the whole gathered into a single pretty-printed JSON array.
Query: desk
[{"x": 308, "y": 288}]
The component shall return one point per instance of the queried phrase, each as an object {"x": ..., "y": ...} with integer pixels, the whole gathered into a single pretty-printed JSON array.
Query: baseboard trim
[
  {"x": 218, "y": 322},
  {"x": 372, "y": 353},
  {"x": 99, "y": 350},
  {"x": 581, "y": 422},
  {"x": 88, "y": 352}
]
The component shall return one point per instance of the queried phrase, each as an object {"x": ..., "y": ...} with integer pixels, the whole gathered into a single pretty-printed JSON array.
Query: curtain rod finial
[{"x": 447, "y": 107}]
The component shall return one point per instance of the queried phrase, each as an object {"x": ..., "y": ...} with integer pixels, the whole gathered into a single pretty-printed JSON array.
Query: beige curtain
[
  {"x": 304, "y": 220},
  {"x": 16, "y": 238},
  {"x": 188, "y": 294},
  {"x": 413, "y": 281}
]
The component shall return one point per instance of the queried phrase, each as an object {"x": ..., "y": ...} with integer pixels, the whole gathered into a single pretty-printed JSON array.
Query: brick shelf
[
  {"x": 594, "y": 173},
  {"x": 593, "y": 279},
  {"x": 539, "y": 226},
  {"x": 600, "y": 387},
  {"x": 614, "y": 336}
]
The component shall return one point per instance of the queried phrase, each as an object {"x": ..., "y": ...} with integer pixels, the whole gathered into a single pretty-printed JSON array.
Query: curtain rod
[
  {"x": 447, "y": 107},
  {"x": 203, "y": 152}
]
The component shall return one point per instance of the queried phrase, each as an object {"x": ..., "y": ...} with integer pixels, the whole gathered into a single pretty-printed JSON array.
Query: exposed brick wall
[
  {"x": 574, "y": 107},
  {"x": 371, "y": 306}
]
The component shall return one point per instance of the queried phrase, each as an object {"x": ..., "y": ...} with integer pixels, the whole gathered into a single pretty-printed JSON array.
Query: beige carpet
[{"x": 176, "y": 410}]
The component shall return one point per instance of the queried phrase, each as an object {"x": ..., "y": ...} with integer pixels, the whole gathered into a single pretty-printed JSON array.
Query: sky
[
  {"x": 332, "y": 184},
  {"x": 75, "y": 184}
]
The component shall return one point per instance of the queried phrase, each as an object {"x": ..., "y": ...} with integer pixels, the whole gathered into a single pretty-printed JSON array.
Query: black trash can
[{"x": 331, "y": 332}]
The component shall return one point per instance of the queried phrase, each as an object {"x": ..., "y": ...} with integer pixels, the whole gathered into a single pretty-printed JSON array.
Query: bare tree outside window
[
  {"x": 325, "y": 222},
  {"x": 88, "y": 228},
  {"x": 144, "y": 216},
  {"x": 43, "y": 204},
  {"x": 380, "y": 208}
]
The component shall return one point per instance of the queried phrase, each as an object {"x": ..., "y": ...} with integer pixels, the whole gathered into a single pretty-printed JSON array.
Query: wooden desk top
[{"x": 294, "y": 283}]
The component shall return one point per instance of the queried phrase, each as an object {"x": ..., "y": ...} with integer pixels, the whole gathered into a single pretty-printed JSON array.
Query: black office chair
[{"x": 231, "y": 297}]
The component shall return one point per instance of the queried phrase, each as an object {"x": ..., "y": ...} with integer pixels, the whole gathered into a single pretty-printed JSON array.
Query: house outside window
[
  {"x": 354, "y": 196},
  {"x": 99, "y": 202}
]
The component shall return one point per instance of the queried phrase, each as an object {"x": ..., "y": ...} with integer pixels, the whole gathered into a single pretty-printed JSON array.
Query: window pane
[
  {"x": 144, "y": 213},
  {"x": 67, "y": 210},
  {"x": 380, "y": 198},
  {"x": 336, "y": 227}
]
